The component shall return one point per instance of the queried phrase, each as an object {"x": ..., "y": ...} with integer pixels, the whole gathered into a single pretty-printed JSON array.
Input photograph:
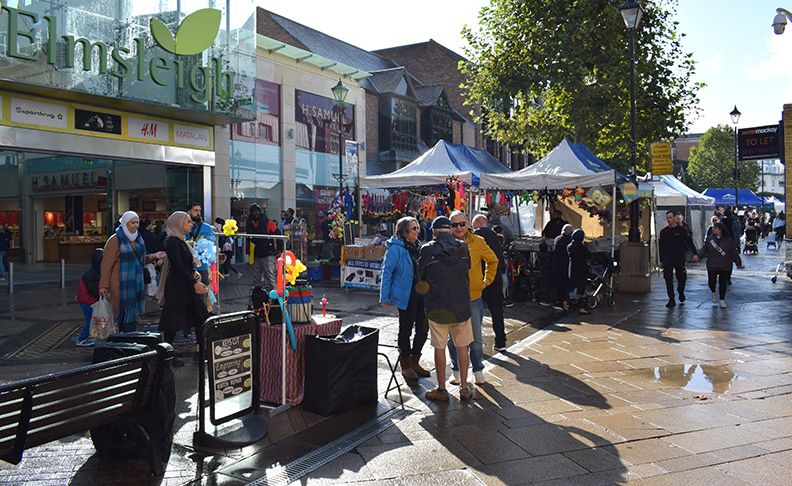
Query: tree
[
  {"x": 543, "y": 70},
  {"x": 712, "y": 162}
]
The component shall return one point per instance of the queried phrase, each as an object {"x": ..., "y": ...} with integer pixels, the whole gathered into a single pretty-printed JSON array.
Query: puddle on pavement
[{"x": 693, "y": 377}]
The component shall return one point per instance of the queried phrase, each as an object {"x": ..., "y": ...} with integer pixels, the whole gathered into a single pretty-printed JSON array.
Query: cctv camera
[{"x": 779, "y": 23}]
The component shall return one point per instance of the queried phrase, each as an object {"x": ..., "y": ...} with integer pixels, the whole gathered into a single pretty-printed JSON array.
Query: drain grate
[{"x": 318, "y": 458}]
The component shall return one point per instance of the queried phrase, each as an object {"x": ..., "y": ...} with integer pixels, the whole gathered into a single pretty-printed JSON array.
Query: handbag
[{"x": 102, "y": 322}]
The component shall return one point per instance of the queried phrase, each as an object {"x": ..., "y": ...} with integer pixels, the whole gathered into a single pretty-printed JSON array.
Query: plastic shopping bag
[
  {"x": 102, "y": 322},
  {"x": 151, "y": 287}
]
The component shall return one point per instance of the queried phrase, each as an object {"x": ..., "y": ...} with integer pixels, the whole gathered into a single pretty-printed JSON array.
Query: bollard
[
  {"x": 63, "y": 273},
  {"x": 10, "y": 277}
]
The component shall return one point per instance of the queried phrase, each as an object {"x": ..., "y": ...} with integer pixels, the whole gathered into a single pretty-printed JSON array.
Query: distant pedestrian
[
  {"x": 5, "y": 247},
  {"x": 88, "y": 294},
  {"x": 226, "y": 244},
  {"x": 721, "y": 254},
  {"x": 674, "y": 242},
  {"x": 554, "y": 226},
  {"x": 544, "y": 260},
  {"x": 443, "y": 271},
  {"x": 265, "y": 249},
  {"x": 560, "y": 263},
  {"x": 492, "y": 295},
  {"x": 779, "y": 226},
  {"x": 579, "y": 257},
  {"x": 399, "y": 277},
  {"x": 713, "y": 220}
]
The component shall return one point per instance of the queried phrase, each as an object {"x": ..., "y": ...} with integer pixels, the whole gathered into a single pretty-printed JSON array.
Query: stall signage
[
  {"x": 231, "y": 363},
  {"x": 661, "y": 158},
  {"x": 362, "y": 274},
  {"x": 759, "y": 143},
  {"x": 196, "y": 33},
  {"x": 68, "y": 180},
  {"x": 352, "y": 158}
]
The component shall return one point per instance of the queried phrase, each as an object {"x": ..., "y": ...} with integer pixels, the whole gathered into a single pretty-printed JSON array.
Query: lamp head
[
  {"x": 339, "y": 92},
  {"x": 735, "y": 115},
  {"x": 631, "y": 12},
  {"x": 779, "y": 23}
]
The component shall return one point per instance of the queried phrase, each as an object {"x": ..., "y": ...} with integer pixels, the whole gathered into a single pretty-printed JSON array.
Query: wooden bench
[{"x": 40, "y": 410}]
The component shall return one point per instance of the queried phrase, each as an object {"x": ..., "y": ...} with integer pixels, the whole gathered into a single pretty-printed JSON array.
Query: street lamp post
[
  {"x": 632, "y": 13},
  {"x": 735, "y": 116},
  {"x": 339, "y": 95}
]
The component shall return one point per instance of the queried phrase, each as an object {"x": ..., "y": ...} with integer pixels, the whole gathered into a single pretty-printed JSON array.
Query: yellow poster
[{"x": 662, "y": 164}]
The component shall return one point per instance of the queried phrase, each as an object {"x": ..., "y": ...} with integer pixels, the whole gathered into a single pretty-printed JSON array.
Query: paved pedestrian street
[{"x": 636, "y": 394}]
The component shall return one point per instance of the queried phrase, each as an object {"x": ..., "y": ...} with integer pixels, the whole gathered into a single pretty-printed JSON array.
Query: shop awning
[
  {"x": 308, "y": 57},
  {"x": 670, "y": 191}
]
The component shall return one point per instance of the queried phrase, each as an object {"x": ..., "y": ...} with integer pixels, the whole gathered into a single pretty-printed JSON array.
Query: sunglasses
[
  {"x": 415, "y": 228},
  {"x": 459, "y": 225}
]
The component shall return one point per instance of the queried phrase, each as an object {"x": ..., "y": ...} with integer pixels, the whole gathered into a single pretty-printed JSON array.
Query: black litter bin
[{"x": 340, "y": 371}]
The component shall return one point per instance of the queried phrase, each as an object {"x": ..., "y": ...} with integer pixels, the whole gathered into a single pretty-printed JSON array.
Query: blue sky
[{"x": 739, "y": 58}]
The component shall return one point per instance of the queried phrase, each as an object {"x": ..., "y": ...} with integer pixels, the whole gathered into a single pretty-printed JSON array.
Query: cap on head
[
  {"x": 578, "y": 235},
  {"x": 441, "y": 222}
]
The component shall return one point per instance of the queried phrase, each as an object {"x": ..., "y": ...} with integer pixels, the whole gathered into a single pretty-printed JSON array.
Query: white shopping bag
[{"x": 102, "y": 322}]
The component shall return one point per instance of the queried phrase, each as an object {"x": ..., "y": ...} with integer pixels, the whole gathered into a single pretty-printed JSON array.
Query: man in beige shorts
[{"x": 443, "y": 266}]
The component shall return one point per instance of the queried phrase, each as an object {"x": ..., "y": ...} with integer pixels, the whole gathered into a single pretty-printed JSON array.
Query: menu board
[{"x": 230, "y": 367}]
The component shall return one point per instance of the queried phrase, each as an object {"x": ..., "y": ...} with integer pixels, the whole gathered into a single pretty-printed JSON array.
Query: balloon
[
  {"x": 230, "y": 227},
  {"x": 286, "y": 319},
  {"x": 206, "y": 251}
]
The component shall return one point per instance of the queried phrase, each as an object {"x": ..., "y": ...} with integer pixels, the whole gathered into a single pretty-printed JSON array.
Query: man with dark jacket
[
  {"x": 443, "y": 266},
  {"x": 674, "y": 240},
  {"x": 560, "y": 264},
  {"x": 553, "y": 227},
  {"x": 492, "y": 295},
  {"x": 264, "y": 249}
]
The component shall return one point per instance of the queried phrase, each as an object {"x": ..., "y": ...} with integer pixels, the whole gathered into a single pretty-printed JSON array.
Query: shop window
[{"x": 404, "y": 127}]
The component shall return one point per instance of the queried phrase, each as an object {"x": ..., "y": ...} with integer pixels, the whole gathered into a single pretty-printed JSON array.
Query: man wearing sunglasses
[{"x": 483, "y": 270}]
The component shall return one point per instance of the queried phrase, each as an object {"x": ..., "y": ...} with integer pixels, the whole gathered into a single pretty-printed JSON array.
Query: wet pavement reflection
[{"x": 692, "y": 377}]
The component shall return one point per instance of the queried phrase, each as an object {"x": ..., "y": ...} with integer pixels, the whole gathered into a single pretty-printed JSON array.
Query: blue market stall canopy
[
  {"x": 686, "y": 195},
  {"x": 445, "y": 159},
  {"x": 567, "y": 165},
  {"x": 725, "y": 197}
]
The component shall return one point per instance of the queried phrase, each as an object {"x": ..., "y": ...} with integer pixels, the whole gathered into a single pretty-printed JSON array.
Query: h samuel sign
[{"x": 195, "y": 34}]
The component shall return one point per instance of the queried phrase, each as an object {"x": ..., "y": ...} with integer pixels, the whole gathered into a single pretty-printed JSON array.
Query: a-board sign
[{"x": 231, "y": 361}]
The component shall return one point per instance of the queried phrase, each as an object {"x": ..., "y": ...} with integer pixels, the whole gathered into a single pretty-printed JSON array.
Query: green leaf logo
[{"x": 195, "y": 34}]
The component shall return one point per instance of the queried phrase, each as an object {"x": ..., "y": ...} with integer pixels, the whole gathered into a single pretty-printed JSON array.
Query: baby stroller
[
  {"x": 771, "y": 240},
  {"x": 598, "y": 287},
  {"x": 751, "y": 240}
]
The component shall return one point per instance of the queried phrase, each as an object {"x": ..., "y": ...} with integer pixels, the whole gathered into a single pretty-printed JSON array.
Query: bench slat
[
  {"x": 62, "y": 397},
  {"x": 36, "y": 438},
  {"x": 58, "y": 386},
  {"x": 120, "y": 393},
  {"x": 83, "y": 414},
  {"x": 9, "y": 399}
]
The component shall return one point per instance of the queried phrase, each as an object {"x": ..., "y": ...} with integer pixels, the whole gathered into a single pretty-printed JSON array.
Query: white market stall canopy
[
  {"x": 436, "y": 165},
  {"x": 567, "y": 165},
  {"x": 670, "y": 191}
]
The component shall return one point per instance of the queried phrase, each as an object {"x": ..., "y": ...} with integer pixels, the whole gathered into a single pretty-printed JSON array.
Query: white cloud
[{"x": 716, "y": 63}]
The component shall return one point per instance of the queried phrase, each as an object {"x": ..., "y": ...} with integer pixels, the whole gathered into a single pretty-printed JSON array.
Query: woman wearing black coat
[
  {"x": 560, "y": 268},
  {"x": 579, "y": 256},
  {"x": 184, "y": 308}
]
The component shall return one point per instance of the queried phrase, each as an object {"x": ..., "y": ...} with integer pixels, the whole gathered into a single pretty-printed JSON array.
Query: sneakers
[
  {"x": 239, "y": 275},
  {"x": 557, "y": 307},
  {"x": 545, "y": 303},
  {"x": 86, "y": 343},
  {"x": 465, "y": 393},
  {"x": 454, "y": 378},
  {"x": 722, "y": 304},
  {"x": 438, "y": 394},
  {"x": 508, "y": 303},
  {"x": 499, "y": 348},
  {"x": 714, "y": 298},
  {"x": 671, "y": 303},
  {"x": 478, "y": 379},
  {"x": 681, "y": 297}
]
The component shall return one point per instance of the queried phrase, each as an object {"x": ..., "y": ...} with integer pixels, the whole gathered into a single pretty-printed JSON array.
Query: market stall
[
  {"x": 725, "y": 197},
  {"x": 671, "y": 194}
]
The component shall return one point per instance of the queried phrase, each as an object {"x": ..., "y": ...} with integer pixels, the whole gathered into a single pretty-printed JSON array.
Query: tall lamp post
[
  {"x": 735, "y": 116},
  {"x": 632, "y": 13},
  {"x": 339, "y": 95}
]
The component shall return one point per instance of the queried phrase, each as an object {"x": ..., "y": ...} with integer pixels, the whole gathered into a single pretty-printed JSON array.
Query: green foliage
[
  {"x": 544, "y": 70},
  {"x": 712, "y": 162}
]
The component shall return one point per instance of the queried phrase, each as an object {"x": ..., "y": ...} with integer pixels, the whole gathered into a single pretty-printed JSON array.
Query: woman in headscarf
[
  {"x": 122, "y": 272},
  {"x": 184, "y": 308},
  {"x": 579, "y": 256}
]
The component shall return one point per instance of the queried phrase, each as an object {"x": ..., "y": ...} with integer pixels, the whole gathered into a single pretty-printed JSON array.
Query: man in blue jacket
[{"x": 200, "y": 231}]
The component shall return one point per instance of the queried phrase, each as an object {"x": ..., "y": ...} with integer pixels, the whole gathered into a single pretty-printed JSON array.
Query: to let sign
[
  {"x": 759, "y": 143},
  {"x": 661, "y": 158}
]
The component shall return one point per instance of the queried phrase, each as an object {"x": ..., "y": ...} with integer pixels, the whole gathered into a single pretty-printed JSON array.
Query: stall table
[{"x": 271, "y": 346}]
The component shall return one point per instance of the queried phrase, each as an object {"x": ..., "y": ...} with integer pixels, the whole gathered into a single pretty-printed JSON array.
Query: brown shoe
[
  {"x": 408, "y": 372},
  {"x": 465, "y": 393},
  {"x": 438, "y": 394},
  {"x": 417, "y": 367}
]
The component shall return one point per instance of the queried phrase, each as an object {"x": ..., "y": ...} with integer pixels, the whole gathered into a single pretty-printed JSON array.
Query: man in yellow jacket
[{"x": 483, "y": 270}]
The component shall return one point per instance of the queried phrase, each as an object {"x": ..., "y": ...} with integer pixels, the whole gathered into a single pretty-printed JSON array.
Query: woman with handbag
[
  {"x": 184, "y": 306},
  {"x": 399, "y": 277},
  {"x": 721, "y": 253},
  {"x": 122, "y": 272}
]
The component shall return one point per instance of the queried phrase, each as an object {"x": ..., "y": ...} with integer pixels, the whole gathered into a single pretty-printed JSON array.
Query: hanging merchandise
[
  {"x": 349, "y": 206},
  {"x": 629, "y": 191},
  {"x": 599, "y": 196}
]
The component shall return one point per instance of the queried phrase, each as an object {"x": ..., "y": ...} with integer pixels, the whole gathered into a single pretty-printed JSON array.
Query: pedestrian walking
[
  {"x": 779, "y": 226},
  {"x": 721, "y": 254},
  {"x": 713, "y": 220},
  {"x": 264, "y": 249},
  {"x": 88, "y": 294},
  {"x": 579, "y": 257},
  {"x": 5, "y": 247},
  {"x": 185, "y": 305},
  {"x": 122, "y": 271},
  {"x": 674, "y": 242},
  {"x": 444, "y": 271},
  {"x": 544, "y": 260},
  {"x": 399, "y": 278},
  {"x": 483, "y": 269},
  {"x": 560, "y": 263},
  {"x": 492, "y": 295},
  {"x": 227, "y": 248}
]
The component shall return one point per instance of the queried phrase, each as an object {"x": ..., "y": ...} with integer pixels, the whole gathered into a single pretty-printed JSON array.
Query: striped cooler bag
[{"x": 300, "y": 303}]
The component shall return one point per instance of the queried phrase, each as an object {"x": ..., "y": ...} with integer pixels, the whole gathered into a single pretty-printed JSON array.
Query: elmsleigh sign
[{"x": 195, "y": 34}]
